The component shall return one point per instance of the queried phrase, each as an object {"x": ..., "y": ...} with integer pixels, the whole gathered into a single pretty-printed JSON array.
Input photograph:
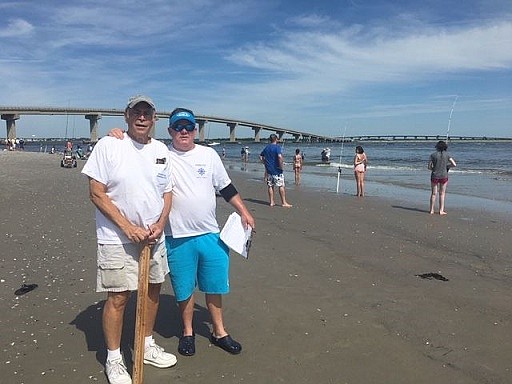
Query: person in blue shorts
[{"x": 194, "y": 250}]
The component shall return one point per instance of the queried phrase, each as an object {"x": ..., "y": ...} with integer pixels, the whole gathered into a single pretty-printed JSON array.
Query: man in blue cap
[{"x": 195, "y": 253}]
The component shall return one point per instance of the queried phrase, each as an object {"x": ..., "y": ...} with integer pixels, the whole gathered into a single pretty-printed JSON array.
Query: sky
[{"x": 334, "y": 68}]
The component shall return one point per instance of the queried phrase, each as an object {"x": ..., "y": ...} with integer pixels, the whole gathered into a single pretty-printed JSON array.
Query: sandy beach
[{"x": 330, "y": 293}]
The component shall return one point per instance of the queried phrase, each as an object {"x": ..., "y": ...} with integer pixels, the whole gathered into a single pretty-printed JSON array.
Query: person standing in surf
[
  {"x": 297, "y": 165},
  {"x": 440, "y": 163},
  {"x": 360, "y": 163}
]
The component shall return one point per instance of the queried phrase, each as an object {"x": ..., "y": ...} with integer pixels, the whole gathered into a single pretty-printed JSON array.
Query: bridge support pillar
[
  {"x": 280, "y": 134},
  {"x": 201, "y": 124},
  {"x": 93, "y": 126},
  {"x": 297, "y": 137},
  {"x": 10, "y": 122},
  {"x": 232, "y": 132},
  {"x": 257, "y": 131}
]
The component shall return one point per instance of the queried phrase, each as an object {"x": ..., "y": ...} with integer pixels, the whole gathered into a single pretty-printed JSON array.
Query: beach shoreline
[{"x": 330, "y": 293}]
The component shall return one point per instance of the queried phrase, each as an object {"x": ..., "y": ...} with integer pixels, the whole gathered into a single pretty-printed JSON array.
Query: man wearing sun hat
[
  {"x": 195, "y": 252},
  {"x": 130, "y": 185}
]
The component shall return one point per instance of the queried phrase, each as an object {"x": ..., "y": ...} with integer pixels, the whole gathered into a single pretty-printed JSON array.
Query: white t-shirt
[
  {"x": 196, "y": 176},
  {"x": 136, "y": 176}
]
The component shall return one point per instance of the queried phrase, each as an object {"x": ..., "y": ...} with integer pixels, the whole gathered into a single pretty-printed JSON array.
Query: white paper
[{"x": 235, "y": 236}]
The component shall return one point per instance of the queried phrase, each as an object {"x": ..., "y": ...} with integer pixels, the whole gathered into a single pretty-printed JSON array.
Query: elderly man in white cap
[{"x": 130, "y": 185}]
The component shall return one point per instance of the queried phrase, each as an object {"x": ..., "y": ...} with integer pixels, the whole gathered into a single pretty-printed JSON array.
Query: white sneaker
[
  {"x": 156, "y": 356},
  {"x": 116, "y": 372}
]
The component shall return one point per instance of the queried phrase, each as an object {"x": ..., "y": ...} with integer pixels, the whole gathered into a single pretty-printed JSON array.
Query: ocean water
[{"x": 397, "y": 170}]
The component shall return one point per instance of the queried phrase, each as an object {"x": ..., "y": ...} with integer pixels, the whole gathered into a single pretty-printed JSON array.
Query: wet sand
[{"x": 328, "y": 295}]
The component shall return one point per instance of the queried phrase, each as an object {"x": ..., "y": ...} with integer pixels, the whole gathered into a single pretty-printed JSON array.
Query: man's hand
[
  {"x": 118, "y": 133},
  {"x": 247, "y": 220},
  {"x": 136, "y": 234},
  {"x": 155, "y": 232}
]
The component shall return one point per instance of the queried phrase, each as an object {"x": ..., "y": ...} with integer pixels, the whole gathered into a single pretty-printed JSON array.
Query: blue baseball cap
[{"x": 181, "y": 115}]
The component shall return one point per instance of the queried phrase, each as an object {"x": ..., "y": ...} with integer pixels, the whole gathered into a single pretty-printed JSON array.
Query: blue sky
[{"x": 330, "y": 67}]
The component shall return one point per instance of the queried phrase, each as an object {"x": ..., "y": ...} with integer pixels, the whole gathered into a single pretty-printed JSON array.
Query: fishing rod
[
  {"x": 450, "y": 118},
  {"x": 341, "y": 155}
]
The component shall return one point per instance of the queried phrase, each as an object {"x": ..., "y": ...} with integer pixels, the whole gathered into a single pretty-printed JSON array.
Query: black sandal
[
  {"x": 227, "y": 344},
  {"x": 187, "y": 345}
]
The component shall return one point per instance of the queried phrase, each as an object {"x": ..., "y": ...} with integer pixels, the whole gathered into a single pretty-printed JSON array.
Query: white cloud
[
  {"x": 16, "y": 27},
  {"x": 349, "y": 57}
]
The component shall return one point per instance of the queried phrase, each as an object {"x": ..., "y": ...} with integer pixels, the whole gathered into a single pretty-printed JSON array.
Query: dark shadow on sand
[
  {"x": 256, "y": 201},
  {"x": 410, "y": 208},
  {"x": 167, "y": 325}
]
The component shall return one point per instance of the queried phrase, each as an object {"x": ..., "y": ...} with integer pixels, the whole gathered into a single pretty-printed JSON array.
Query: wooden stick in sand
[{"x": 140, "y": 317}]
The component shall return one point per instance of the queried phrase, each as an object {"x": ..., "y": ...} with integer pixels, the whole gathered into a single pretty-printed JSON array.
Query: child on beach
[
  {"x": 360, "y": 163},
  {"x": 440, "y": 162}
]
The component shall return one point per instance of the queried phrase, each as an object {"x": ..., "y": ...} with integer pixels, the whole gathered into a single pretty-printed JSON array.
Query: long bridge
[{"x": 11, "y": 114}]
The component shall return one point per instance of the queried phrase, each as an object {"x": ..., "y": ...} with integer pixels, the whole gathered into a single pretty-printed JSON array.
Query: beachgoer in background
[
  {"x": 360, "y": 163},
  {"x": 130, "y": 185},
  {"x": 244, "y": 152},
  {"x": 223, "y": 152},
  {"x": 80, "y": 153},
  {"x": 297, "y": 165},
  {"x": 195, "y": 253},
  {"x": 272, "y": 157},
  {"x": 440, "y": 163},
  {"x": 326, "y": 155}
]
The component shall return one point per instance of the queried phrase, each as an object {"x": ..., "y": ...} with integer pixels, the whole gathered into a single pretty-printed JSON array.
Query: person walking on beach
[
  {"x": 440, "y": 162},
  {"x": 130, "y": 185},
  {"x": 297, "y": 165},
  {"x": 360, "y": 164},
  {"x": 272, "y": 157},
  {"x": 195, "y": 253}
]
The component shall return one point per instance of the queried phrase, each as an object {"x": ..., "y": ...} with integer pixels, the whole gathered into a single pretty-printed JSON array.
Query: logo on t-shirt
[{"x": 201, "y": 171}]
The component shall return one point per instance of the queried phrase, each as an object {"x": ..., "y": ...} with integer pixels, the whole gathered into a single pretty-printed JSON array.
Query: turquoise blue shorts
[{"x": 201, "y": 261}]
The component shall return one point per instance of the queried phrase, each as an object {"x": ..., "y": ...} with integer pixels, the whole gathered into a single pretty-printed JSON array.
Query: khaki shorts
[{"x": 118, "y": 266}]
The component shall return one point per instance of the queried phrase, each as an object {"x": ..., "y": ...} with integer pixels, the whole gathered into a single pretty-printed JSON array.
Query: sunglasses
[
  {"x": 147, "y": 113},
  {"x": 179, "y": 127}
]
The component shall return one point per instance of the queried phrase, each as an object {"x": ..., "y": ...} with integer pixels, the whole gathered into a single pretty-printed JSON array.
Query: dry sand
[{"x": 328, "y": 295}]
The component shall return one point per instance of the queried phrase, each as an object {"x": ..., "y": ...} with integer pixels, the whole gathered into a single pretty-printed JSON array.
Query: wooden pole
[{"x": 140, "y": 316}]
